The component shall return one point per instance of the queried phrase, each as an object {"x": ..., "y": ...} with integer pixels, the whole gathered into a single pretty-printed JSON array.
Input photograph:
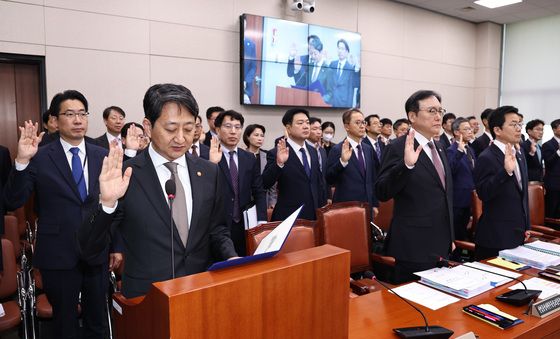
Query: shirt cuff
[
  {"x": 343, "y": 163},
  {"x": 409, "y": 167},
  {"x": 558, "y": 152},
  {"x": 131, "y": 153},
  {"x": 110, "y": 210},
  {"x": 20, "y": 167}
]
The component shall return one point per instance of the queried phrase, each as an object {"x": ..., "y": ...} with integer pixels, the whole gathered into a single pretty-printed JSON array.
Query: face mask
[{"x": 327, "y": 137}]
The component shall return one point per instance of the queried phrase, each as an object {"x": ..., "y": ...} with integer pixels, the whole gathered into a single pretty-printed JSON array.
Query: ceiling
[{"x": 468, "y": 10}]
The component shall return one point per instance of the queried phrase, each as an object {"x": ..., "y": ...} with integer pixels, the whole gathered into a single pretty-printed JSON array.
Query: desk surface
[{"x": 375, "y": 315}]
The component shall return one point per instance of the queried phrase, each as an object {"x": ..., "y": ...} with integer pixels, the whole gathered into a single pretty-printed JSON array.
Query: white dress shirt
[
  {"x": 422, "y": 141},
  {"x": 111, "y": 137},
  {"x": 297, "y": 148}
]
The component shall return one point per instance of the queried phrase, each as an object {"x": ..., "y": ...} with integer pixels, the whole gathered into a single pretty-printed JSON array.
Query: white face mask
[{"x": 328, "y": 137}]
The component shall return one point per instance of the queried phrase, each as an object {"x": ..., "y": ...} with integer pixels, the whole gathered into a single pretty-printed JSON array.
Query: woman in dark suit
[{"x": 253, "y": 137}]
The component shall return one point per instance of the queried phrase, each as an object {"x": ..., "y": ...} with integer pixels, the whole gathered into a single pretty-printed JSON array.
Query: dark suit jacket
[
  {"x": 341, "y": 88},
  {"x": 58, "y": 203},
  {"x": 350, "y": 184},
  {"x": 301, "y": 77},
  {"x": 505, "y": 211},
  {"x": 204, "y": 151},
  {"x": 534, "y": 164},
  {"x": 444, "y": 141},
  {"x": 294, "y": 187},
  {"x": 102, "y": 141},
  {"x": 208, "y": 138},
  {"x": 462, "y": 172},
  {"x": 143, "y": 218},
  {"x": 48, "y": 138},
  {"x": 552, "y": 165},
  {"x": 422, "y": 224},
  {"x": 376, "y": 160},
  {"x": 480, "y": 144},
  {"x": 5, "y": 168},
  {"x": 271, "y": 194}
]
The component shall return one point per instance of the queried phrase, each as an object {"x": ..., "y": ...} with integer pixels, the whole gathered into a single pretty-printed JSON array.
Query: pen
[{"x": 484, "y": 314}]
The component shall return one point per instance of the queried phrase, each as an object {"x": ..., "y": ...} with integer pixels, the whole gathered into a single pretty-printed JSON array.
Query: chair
[
  {"x": 8, "y": 287},
  {"x": 476, "y": 207},
  {"x": 383, "y": 219},
  {"x": 536, "y": 210},
  {"x": 303, "y": 235},
  {"x": 11, "y": 233}
]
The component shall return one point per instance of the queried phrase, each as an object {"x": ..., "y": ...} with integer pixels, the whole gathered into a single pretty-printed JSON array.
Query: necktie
[
  {"x": 315, "y": 73},
  {"x": 378, "y": 150},
  {"x": 539, "y": 155},
  {"x": 180, "y": 216},
  {"x": 517, "y": 171},
  {"x": 339, "y": 69},
  {"x": 361, "y": 161},
  {"x": 235, "y": 184},
  {"x": 194, "y": 151},
  {"x": 437, "y": 163},
  {"x": 318, "y": 148},
  {"x": 78, "y": 173},
  {"x": 469, "y": 155},
  {"x": 305, "y": 163}
]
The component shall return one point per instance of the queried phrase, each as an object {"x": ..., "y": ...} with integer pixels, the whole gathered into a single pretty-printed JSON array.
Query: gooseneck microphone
[
  {"x": 516, "y": 297},
  {"x": 170, "y": 190},
  {"x": 425, "y": 331}
]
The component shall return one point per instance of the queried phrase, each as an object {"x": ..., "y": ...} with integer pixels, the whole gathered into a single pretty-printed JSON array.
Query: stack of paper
[
  {"x": 537, "y": 254},
  {"x": 424, "y": 295},
  {"x": 464, "y": 281},
  {"x": 548, "y": 288}
]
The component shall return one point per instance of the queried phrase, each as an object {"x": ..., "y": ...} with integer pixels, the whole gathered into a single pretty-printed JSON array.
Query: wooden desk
[{"x": 375, "y": 315}]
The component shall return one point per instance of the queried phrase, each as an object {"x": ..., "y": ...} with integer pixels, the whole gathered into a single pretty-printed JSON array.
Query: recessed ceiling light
[{"x": 496, "y": 3}]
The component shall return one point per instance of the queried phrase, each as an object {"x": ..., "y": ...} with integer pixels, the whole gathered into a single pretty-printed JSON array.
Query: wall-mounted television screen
[{"x": 290, "y": 63}]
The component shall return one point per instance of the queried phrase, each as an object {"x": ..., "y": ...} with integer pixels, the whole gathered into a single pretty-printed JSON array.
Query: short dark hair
[
  {"x": 498, "y": 117},
  {"x": 533, "y": 123},
  {"x": 471, "y": 117},
  {"x": 554, "y": 124},
  {"x": 159, "y": 95},
  {"x": 313, "y": 120},
  {"x": 316, "y": 43},
  {"x": 108, "y": 110},
  {"x": 45, "y": 116},
  {"x": 70, "y": 94},
  {"x": 399, "y": 122},
  {"x": 212, "y": 110},
  {"x": 448, "y": 116},
  {"x": 327, "y": 124},
  {"x": 347, "y": 115},
  {"x": 288, "y": 117},
  {"x": 386, "y": 121},
  {"x": 369, "y": 117},
  {"x": 233, "y": 115},
  {"x": 412, "y": 103},
  {"x": 345, "y": 44},
  {"x": 198, "y": 117},
  {"x": 249, "y": 130},
  {"x": 457, "y": 123},
  {"x": 484, "y": 115},
  {"x": 124, "y": 130}
]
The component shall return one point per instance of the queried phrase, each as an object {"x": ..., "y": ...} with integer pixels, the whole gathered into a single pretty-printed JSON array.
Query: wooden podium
[
  {"x": 301, "y": 294},
  {"x": 299, "y": 97}
]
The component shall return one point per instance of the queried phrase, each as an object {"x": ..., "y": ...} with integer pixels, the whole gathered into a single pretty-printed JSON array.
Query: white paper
[
  {"x": 425, "y": 295},
  {"x": 250, "y": 217},
  {"x": 493, "y": 269},
  {"x": 548, "y": 288},
  {"x": 275, "y": 239},
  {"x": 2, "y": 312}
]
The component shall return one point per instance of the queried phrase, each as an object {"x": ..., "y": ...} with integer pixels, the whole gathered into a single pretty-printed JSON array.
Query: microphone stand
[{"x": 170, "y": 198}]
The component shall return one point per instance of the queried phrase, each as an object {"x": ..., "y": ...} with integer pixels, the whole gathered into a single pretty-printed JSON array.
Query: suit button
[{"x": 232, "y": 199}]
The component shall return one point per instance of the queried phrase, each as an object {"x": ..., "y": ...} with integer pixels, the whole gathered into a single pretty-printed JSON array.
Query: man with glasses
[
  {"x": 532, "y": 148},
  {"x": 64, "y": 177},
  {"x": 241, "y": 174},
  {"x": 415, "y": 174},
  {"x": 350, "y": 166},
  {"x": 113, "y": 117},
  {"x": 500, "y": 177},
  {"x": 197, "y": 149}
]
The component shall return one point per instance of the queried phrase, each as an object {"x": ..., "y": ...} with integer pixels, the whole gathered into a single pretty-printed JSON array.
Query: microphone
[
  {"x": 170, "y": 189},
  {"x": 516, "y": 297},
  {"x": 426, "y": 331}
]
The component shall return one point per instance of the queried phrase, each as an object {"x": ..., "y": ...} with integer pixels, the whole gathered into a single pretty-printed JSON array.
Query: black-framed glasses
[{"x": 71, "y": 114}]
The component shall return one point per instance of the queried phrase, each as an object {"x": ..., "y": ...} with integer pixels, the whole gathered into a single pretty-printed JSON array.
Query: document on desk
[
  {"x": 250, "y": 217},
  {"x": 425, "y": 296},
  {"x": 548, "y": 288}
]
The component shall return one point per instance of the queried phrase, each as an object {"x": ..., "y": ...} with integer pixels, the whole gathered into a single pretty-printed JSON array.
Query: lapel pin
[{"x": 199, "y": 174}]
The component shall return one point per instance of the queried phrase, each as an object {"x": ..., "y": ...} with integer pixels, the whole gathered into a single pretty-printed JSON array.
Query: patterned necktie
[
  {"x": 437, "y": 163},
  {"x": 305, "y": 163},
  {"x": 539, "y": 154},
  {"x": 180, "y": 216},
  {"x": 361, "y": 161},
  {"x": 78, "y": 173},
  {"x": 469, "y": 155},
  {"x": 378, "y": 149},
  {"x": 235, "y": 184},
  {"x": 194, "y": 151},
  {"x": 517, "y": 170}
]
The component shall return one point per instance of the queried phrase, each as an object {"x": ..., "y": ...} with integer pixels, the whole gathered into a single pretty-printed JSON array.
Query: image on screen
[{"x": 289, "y": 63}]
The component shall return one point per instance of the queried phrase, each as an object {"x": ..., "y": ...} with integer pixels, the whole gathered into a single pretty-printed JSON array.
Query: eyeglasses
[
  {"x": 360, "y": 122},
  {"x": 230, "y": 127},
  {"x": 516, "y": 125},
  {"x": 433, "y": 111},
  {"x": 72, "y": 114}
]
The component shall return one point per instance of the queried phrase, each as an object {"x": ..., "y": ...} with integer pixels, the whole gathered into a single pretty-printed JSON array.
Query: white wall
[{"x": 113, "y": 51}]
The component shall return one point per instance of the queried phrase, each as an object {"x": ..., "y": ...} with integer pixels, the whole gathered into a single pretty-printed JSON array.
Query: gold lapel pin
[{"x": 199, "y": 174}]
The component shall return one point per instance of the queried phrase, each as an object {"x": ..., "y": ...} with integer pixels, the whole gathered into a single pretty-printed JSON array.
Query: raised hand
[
  {"x": 346, "y": 151},
  {"x": 112, "y": 182},
  {"x": 28, "y": 142},
  {"x": 461, "y": 144},
  {"x": 282, "y": 152},
  {"x": 509, "y": 159},
  {"x": 411, "y": 155},
  {"x": 132, "y": 139},
  {"x": 533, "y": 149},
  {"x": 215, "y": 150}
]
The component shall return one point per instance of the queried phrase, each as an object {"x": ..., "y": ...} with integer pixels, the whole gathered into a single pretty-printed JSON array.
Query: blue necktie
[
  {"x": 539, "y": 155},
  {"x": 78, "y": 172},
  {"x": 305, "y": 163}
]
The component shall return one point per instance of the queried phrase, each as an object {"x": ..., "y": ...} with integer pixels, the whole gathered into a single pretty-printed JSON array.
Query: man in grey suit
[{"x": 135, "y": 201}]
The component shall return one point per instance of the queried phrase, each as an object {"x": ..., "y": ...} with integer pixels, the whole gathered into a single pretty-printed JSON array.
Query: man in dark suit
[
  {"x": 415, "y": 174},
  {"x": 446, "y": 138},
  {"x": 401, "y": 127},
  {"x": 500, "y": 177},
  {"x": 197, "y": 149},
  {"x": 113, "y": 117},
  {"x": 295, "y": 166},
  {"x": 299, "y": 69},
  {"x": 350, "y": 167},
  {"x": 533, "y": 149},
  {"x": 5, "y": 169},
  {"x": 211, "y": 114},
  {"x": 64, "y": 177},
  {"x": 551, "y": 155},
  {"x": 240, "y": 172},
  {"x": 386, "y": 130},
  {"x": 314, "y": 140},
  {"x": 483, "y": 141},
  {"x": 319, "y": 71},
  {"x": 135, "y": 201},
  {"x": 373, "y": 131},
  {"x": 461, "y": 162},
  {"x": 341, "y": 82},
  {"x": 49, "y": 123}
]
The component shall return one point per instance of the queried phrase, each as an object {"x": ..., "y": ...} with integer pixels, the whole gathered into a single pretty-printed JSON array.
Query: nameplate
[{"x": 546, "y": 307}]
